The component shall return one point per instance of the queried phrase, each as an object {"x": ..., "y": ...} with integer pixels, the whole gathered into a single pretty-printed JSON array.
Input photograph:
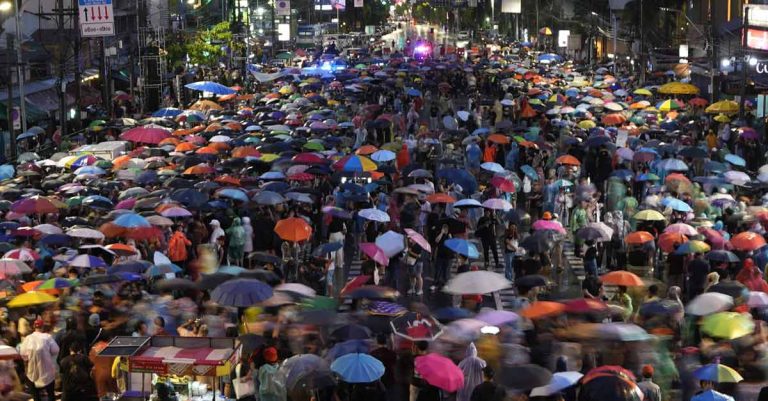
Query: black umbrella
[
  {"x": 589, "y": 234},
  {"x": 723, "y": 256},
  {"x": 263, "y": 275},
  {"x": 371, "y": 292},
  {"x": 351, "y": 332},
  {"x": 189, "y": 197},
  {"x": 730, "y": 287},
  {"x": 176, "y": 284},
  {"x": 524, "y": 377},
  {"x": 530, "y": 281},
  {"x": 177, "y": 182},
  {"x": 317, "y": 317},
  {"x": 211, "y": 281},
  {"x": 96, "y": 279},
  {"x": 265, "y": 258},
  {"x": 693, "y": 152},
  {"x": 540, "y": 241}
]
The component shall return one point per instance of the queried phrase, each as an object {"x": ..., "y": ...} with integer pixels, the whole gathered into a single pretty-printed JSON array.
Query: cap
[
  {"x": 270, "y": 354},
  {"x": 38, "y": 323},
  {"x": 547, "y": 216},
  {"x": 647, "y": 370}
]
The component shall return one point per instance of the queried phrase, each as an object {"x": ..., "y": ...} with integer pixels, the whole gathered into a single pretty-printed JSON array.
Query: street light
[
  {"x": 752, "y": 61},
  {"x": 6, "y": 6},
  {"x": 726, "y": 62}
]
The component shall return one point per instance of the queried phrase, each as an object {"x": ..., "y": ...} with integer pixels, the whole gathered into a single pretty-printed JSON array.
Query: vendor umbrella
[
  {"x": 440, "y": 372},
  {"x": 241, "y": 293}
]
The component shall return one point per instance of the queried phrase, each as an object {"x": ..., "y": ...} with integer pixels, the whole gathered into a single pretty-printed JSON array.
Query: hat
[
  {"x": 647, "y": 371},
  {"x": 38, "y": 323},
  {"x": 270, "y": 355},
  {"x": 547, "y": 216},
  {"x": 94, "y": 320}
]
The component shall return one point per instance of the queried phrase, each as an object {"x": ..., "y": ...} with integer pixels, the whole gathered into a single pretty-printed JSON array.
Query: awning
[
  {"x": 33, "y": 113},
  {"x": 182, "y": 356}
]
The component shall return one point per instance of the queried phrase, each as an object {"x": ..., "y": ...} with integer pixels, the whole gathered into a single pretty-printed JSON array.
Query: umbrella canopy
[
  {"x": 241, "y": 293},
  {"x": 727, "y": 325},
  {"x": 213, "y": 87},
  {"x": 620, "y": 277},
  {"x": 358, "y": 368},
  {"x": 717, "y": 373},
  {"x": 440, "y": 372},
  {"x": 524, "y": 377},
  {"x": 709, "y": 303},
  {"x": 293, "y": 229},
  {"x": 31, "y": 298},
  {"x": 462, "y": 247},
  {"x": 477, "y": 282}
]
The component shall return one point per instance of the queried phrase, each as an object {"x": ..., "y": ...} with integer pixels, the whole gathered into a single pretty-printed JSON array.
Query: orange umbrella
[
  {"x": 638, "y": 238},
  {"x": 213, "y": 127},
  {"x": 32, "y": 285},
  {"x": 181, "y": 132},
  {"x": 569, "y": 160},
  {"x": 122, "y": 249},
  {"x": 366, "y": 150},
  {"x": 294, "y": 229},
  {"x": 528, "y": 112},
  {"x": 207, "y": 150},
  {"x": 224, "y": 98},
  {"x": 196, "y": 129},
  {"x": 621, "y": 277},
  {"x": 220, "y": 146},
  {"x": 245, "y": 151},
  {"x": 668, "y": 241},
  {"x": 614, "y": 119},
  {"x": 120, "y": 161},
  {"x": 170, "y": 141},
  {"x": 529, "y": 144},
  {"x": 185, "y": 147},
  {"x": 498, "y": 138},
  {"x": 542, "y": 309},
  {"x": 247, "y": 96},
  {"x": 676, "y": 177},
  {"x": 200, "y": 169},
  {"x": 440, "y": 198},
  {"x": 747, "y": 241},
  {"x": 228, "y": 179},
  {"x": 234, "y": 126}
]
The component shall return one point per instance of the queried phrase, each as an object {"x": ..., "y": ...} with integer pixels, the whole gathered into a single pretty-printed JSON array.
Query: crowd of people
[{"x": 507, "y": 227}]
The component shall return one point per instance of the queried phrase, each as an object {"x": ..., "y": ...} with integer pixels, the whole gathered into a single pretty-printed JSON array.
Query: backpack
[{"x": 76, "y": 373}]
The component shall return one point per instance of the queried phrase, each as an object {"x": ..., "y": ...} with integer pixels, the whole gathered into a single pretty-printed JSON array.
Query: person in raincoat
[
  {"x": 751, "y": 277},
  {"x": 216, "y": 232},
  {"x": 237, "y": 237},
  {"x": 248, "y": 246},
  {"x": 578, "y": 220},
  {"x": 177, "y": 246},
  {"x": 271, "y": 385},
  {"x": 472, "y": 367}
]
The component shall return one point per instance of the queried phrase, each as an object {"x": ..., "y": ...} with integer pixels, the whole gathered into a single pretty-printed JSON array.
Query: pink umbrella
[
  {"x": 197, "y": 140},
  {"x": 715, "y": 239},
  {"x": 440, "y": 372},
  {"x": 542, "y": 225},
  {"x": 497, "y": 204},
  {"x": 126, "y": 204},
  {"x": 24, "y": 254},
  {"x": 681, "y": 228},
  {"x": 419, "y": 239},
  {"x": 176, "y": 211},
  {"x": 375, "y": 253},
  {"x": 145, "y": 135}
]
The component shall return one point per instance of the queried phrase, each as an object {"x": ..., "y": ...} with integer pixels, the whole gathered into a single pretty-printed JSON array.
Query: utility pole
[
  {"x": 744, "y": 65},
  {"x": 62, "y": 80},
  {"x": 78, "y": 78},
  {"x": 20, "y": 66},
  {"x": 9, "y": 111},
  {"x": 642, "y": 46}
]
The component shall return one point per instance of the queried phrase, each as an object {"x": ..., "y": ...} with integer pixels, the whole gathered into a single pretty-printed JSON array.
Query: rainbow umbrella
[
  {"x": 668, "y": 105},
  {"x": 715, "y": 372},
  {"x": 355, "y": 164},
  {"x": 55, "y": 284}
]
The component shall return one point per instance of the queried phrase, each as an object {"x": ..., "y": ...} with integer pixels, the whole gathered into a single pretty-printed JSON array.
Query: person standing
[
  {"x": 651, "y": 390},
  {"x": 578, "y": 220},
  {"x": 510, "y": 250},
  {"x": 39, "y": 352},
  {"x": 177, "y": 246},
  {"x": 488, "y": 390},
  {"x": 486, "y": 231},
  {"x": 76, "y": 381}
]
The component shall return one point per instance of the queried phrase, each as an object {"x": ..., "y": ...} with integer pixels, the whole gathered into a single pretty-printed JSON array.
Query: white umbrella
[
  {"x": 48, "y": 229},
  {"x": 709, "y": 303},
  {"x": 297, "y": 288},
  {"x": 391, "y": 243},
  {"x": 374, "y": 215},
  {"x": 476, "y": 282},
  {"x": 737, "y": 177},
  {"x": 13, "y": 267},
  {"x": 757, "y": 299},
  {"x": 560, "y": 381},
  {"x": 82, "y": 232}
]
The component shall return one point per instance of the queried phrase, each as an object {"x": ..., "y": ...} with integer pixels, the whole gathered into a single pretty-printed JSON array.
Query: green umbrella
[
  {"x": 361, "y": 66},
  {"x": 74, "y": 201},
  {"x": 105, "y": 164},
  {"x": 320, "y": 303},
  {"x": 96, "y": 123},
  {"x": 252, "y": 139},
  {"x": 314, "y": 146}
]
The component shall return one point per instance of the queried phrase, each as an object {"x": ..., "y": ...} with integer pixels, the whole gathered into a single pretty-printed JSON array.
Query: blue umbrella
[
  {"x": 231, "y": 270},
  {"x": 549, "y": 58},
  {"x": 7, "y": 171},
  {"x": 167, "y": 112},
  {"x": 413, "y": 92},
  {"x": 189, "y": 197},
  {"x": 241, "y": 293},
  {"x": 678, "y": 205},
  {"x": 451, "y": 313},
  {"x": 213, "y": 87},
  {"x": 481, "y": 131},
  {"x": 462, "y": 247},
  {"x": 358, "y": 368},
  {"x": 624, "y": 174},
  {"x": 730, "y": 257},
  {"x": 461, "y": 177},
  {"x": 56, "y": 239},
  {"x": 711, "y": 395},
  {"x": 735, "y": 160},
  {"x": 161, "y": 270},
  {"x": 272, "y": 175},
  {"x": 348, "y": 347},
  {"x": 325, "y": 249},
  {"x": 129, "y": 267},
  {"x": 233, "y": 193},
  {"x": 269, "y": 198},
  {"x": 148, "y": 177},
  {"x": 530, "y": 172},
  {"x": 760, "y": 256},
  {"x": 131, "y": 220},
  {"x": 93, "y": 170},
  {"x": 672, "y": 165},
  {"x": 715, "y": 167},
  {"x": 97, "y": 202}
]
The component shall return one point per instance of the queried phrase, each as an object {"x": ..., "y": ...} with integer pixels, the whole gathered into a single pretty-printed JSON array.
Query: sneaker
[
  {"x": 419, "y": 292},
  {"x": 433, "y": 288},
  {"x": 411, "y": 291}
]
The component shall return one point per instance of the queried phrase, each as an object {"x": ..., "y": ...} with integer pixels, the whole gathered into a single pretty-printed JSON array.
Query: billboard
[
  {"x": 562, "y": 38},
  {"x": 330, "y": 5},
  {"x": 757, "y": 15},
  {"x": 511, "y": 6},
  {"x": 339, "y": 5},
  {"x": 757, "y": 39}
]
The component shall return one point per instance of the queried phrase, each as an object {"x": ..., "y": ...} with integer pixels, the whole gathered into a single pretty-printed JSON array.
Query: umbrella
[
  {"x": 711, "y": 395},
  {"x": 462, "y": 247},
  {"x": 351, "y": 332},
  {"x": 747, "y": 241},
  {"x": 269, "y": 198},
  {"x": 296, "y": 367},
  {"x": 87, "y": 261},
  {"x": 638, "y": 238},
  {"x": 146, "y": 135},
  {"x": 131, "y": 220},
  {"x": 358, "y": 368},
  {"x": 293, "y": 229},
  {"x": 542, "y": 309},
  {"x": 727, "y": 325},
  {"x": 391, "y": 243},
  {"x": 497, "y": 317},
  {"x": 213, "y": 87},
  {"x": 241, "y": 293},
  {"x": 497, "y": 204},
  {"x": 524, "y": 377},
  {"x": 560, "y": 381},
  {"x": 415, "y": 326},
  {"x": 477, "y": 282},
  {"x": 31, "y": 298},
  {"x": 418, "y": 239},
  {"x": 440, "y": 372},
  {"x": 55, "y": 284},
  {"x": 347, "y": 347},
  {"x": 609, "y": 383},
  {"x": 722, "y": 256},
  {"x": 370, "y": 292},
  {"x": 375, "y": 253},
  {"x": 718, "y": 373},
  {"x": 539, "y": 241},
  {"x": 757, "y": 299},
  {"x": 620, "y": 277},
  {"x": 649, "y": 215},
  {"x": 13, "y": 267},
  {"x": 374, "y": 215}
]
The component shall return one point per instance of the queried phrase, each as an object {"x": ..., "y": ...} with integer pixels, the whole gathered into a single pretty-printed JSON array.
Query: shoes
[
  {"x": 433, "y": 288},
  {"x": 420, "y": 292},
  {"x": 411, "y": 291}
]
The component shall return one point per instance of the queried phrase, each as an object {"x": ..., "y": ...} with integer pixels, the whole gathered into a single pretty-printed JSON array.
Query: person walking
[
  {"x": 177, "y": 246},
  {"x": 651, "y": 391},
  {"x": 76, "y": 381},
  {"x": 39, "y": 352},
  {"x": 486, "y": 231}
]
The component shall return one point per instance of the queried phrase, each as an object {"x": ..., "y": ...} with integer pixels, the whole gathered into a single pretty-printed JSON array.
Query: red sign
[
  {"x": 147, "y": 366},
  {"x": 757, "y": 39}
]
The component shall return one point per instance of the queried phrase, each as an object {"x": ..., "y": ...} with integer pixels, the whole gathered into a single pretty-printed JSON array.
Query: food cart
[{"x": 192, "y": 365}]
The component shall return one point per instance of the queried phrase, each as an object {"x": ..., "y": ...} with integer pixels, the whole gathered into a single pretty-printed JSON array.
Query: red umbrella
[
  {"x": 145, "y": 135},
  {"x": 308, "y": 158},
  {"x": 354, "y": 284},
  {"x": 503, "y": 184},
  {"x": 747, "y": 241},
  {"x": 34, "y": 205}
]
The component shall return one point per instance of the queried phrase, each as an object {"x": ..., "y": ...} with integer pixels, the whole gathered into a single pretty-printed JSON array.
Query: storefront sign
[
  {"x": 757, "y": 39},
  {"x": 761, "y": 68},
  {"x": 148, "y": 366},
  {"x": 757, "y": 15}
]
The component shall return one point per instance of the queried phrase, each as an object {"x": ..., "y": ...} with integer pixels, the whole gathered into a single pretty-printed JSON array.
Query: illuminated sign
[
  {"x": 757, "y": 39},
  {"x": 757, "y": 15}
]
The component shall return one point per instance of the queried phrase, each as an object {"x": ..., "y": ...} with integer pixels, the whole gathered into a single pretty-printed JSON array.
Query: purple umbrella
[
  {"x": 126, "y": 204},
  {"x": 375, "y": 253}
]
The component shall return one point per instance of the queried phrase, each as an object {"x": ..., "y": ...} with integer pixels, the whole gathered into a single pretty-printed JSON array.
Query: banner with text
[
  {"x": 96, "y": 18},
  {"x": 511, "y": 6}
]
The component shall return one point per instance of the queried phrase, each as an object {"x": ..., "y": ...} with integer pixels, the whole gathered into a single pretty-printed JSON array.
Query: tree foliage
[{"x": 208, "y": 46}]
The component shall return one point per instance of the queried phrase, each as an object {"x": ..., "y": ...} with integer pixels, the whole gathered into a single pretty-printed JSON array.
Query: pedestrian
[
  {"x": 76, "y": 381},
  {"x": 488, "y": 390},
  {"x": 177, "y": 246},
  {"x": 248, "y": 246},
  {"x": 271, "y": 384},
  {"x": 237, "y": 238},
  {"x": 39, "y": 352},
  {"x": 651, "y": 391},
  {"x": 486, "y": 231},
  {"x": 511, "y": 246}
]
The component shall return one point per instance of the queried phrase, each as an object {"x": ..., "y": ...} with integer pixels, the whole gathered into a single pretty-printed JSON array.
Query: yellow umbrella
[
  {"x": 723, "y": 107},
  {"x": 642, "y": 92},
  {"x": 30, "y": 299},
  {"x": 587, "y": 124},
  {"x": 722, "y": 118},
  {"x": 728, "y": 325},
  {"x": 286, "y": 90},
  {"x": 203, "y": 105},
  {"x": 678, "y": 88},
  {"x": 649, "y": 215},
  {"x": 268, "y": 157}
]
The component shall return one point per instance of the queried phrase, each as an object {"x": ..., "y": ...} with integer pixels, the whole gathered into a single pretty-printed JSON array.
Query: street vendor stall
[{"x": 188, "y": 368}]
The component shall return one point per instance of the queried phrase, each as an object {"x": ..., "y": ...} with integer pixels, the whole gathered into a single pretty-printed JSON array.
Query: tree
[{"x": 208, "y": 46}]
